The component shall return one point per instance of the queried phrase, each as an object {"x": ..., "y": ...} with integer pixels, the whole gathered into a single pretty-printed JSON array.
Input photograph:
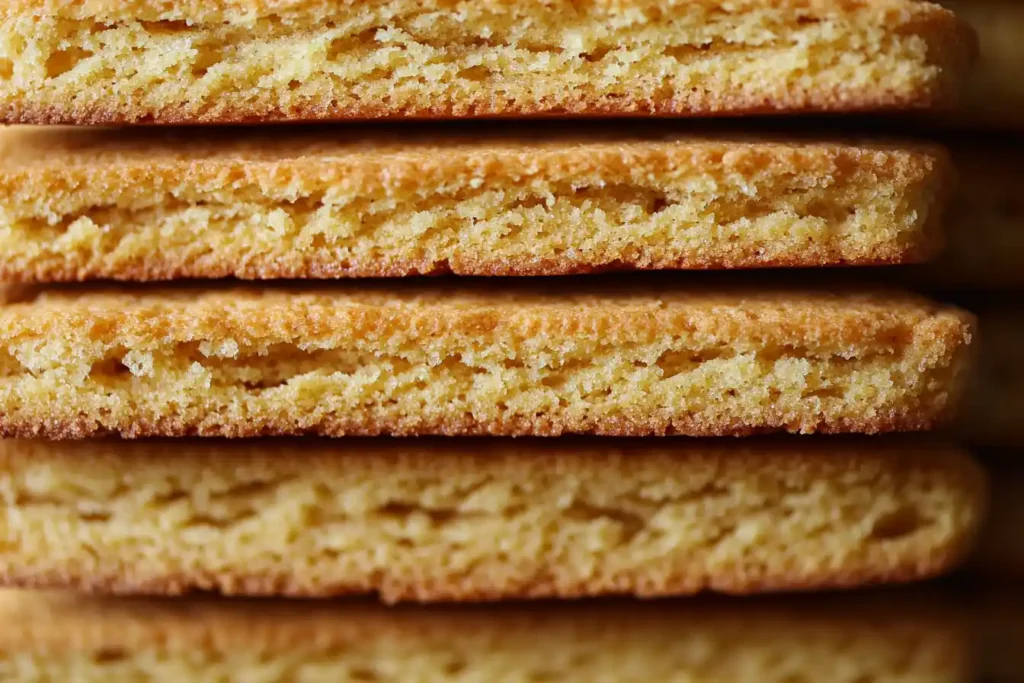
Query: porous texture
[
  {"x": 256, "y": 60},
  {"x": 994, "y": 93},
  {"x": 884, "y": 638},
  {"x": 462, "y": 520},
  {"x": 984, "y": 225},
  {"x": 618, "y": 357},
  {"x": 84, "y": 205}
]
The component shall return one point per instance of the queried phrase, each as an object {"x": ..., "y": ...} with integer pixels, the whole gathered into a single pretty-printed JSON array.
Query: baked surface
[
  {"x": 258, "y": 60},
  {"x": 885, "y": 637},
  {"x": 482, "y": 520},
  {"x": 617, "y": 357},
  {"x": 147, "y": 206}
]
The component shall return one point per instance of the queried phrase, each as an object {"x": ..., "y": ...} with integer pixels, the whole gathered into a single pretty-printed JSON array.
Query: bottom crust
[
  {"x": 482, "y": 520},
  {"x": 910, "y": 637}
]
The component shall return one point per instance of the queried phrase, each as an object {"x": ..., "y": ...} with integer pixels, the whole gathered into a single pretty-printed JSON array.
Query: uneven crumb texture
[
  {"x": 884, "y": 637},
  {"x": 617, "y": 357},
  {"x": 114, "y": 205},
  {"x": 481, "y": 520},
  {"x": 148, "y": 61},
  {"x": 994, "y": 93},
  {"x": 984, "y": 235}
]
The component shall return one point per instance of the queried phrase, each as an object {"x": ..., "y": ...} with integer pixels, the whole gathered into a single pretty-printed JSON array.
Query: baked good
[
  {"x": 467, "y": 520},
  {"x": 256, "y": 60},
  {"x": 886, "y": 637},
  {"x": 112, "y": 204},
  {"x": 616, "y": 357}
]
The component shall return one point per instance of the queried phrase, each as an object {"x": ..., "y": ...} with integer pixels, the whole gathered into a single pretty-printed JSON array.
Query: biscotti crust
[
  {"x": 615, "y": 358},
  {"x": 107, "y": 63},
  {"x": 113, "y": 205},
  {"x": 476, "y": 520}
]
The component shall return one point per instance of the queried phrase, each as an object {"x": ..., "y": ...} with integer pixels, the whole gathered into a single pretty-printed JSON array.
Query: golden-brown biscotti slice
[
  {"x": 883, "y": 637},
  {"x": 415, "y": 519},
  {"x": 255, "y": 60},
  {"x": 86, "y": 205},
  {"x": 619, "y": 356}
]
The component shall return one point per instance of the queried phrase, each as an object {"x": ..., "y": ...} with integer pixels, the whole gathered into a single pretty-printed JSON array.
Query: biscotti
[
  {"x": 482, "y": 520},
  {"x": 882, "y": 637},
  {"x": 260, "y": 205},
  {"x": 257, "y": 61},
  {"x": 618, "y": 357}
]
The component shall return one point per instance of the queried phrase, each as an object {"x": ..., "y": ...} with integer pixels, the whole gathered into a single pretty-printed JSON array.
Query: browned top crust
[{"x": 617, "y": 310}]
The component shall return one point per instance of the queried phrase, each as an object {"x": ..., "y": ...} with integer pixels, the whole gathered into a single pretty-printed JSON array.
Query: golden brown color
[
  {"x": 889, "y": 637},
  {"x": 84, "y": 205},
  {"x": 257, "y": 60},
  {"x": 616, "y": 357},
  {"x": 478, "y": 520}
]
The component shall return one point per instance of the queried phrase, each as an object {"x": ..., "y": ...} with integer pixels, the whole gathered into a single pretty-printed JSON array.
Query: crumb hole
[
  {"x": 684, "y": 52},
  {"x": 597, "y": 55},
  {"x": 63, "y": 61},
  {"x": 365, "y": 675},
  {"x": 455, "y": 667},
  {"x": 897, "y": 524},
  {"x": 476, "y": 74},
  {"x": 206, "y": 59},
  {"x": 6, "y": 68},
  {"x": 110, "y": 655}
]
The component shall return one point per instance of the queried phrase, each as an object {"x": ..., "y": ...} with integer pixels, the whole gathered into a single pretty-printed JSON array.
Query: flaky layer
[
  {"x": 481, "y": 520},
  {"x": 613, "y": 358},
  {"x": 106, "y": 62},
  {"x": 113, "y": 205},
  {"x": 889, "y": 636}
]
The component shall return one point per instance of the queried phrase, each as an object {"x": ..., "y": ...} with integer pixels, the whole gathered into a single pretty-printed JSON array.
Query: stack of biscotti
[{"x": 576, "y": 364}]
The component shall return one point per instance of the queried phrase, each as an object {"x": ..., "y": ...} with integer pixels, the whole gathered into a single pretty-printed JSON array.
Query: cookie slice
[
  {"x": 254, "y": 60},
  {"x": 481, "y": 520},
  {"x": 84, "y": 205},
  {"x": 618, "y": 357},
  {"x": 884, "y": 637}
]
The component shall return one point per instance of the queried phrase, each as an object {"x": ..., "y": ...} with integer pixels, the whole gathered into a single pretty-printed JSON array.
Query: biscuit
[
  {"x": 888, "y": 637},
  {"x": 467, "y": 520},
  {"x": 617, "y": 357},
  {"x": 256, "y": 60},
  {"x": 114, "y": 205}
]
